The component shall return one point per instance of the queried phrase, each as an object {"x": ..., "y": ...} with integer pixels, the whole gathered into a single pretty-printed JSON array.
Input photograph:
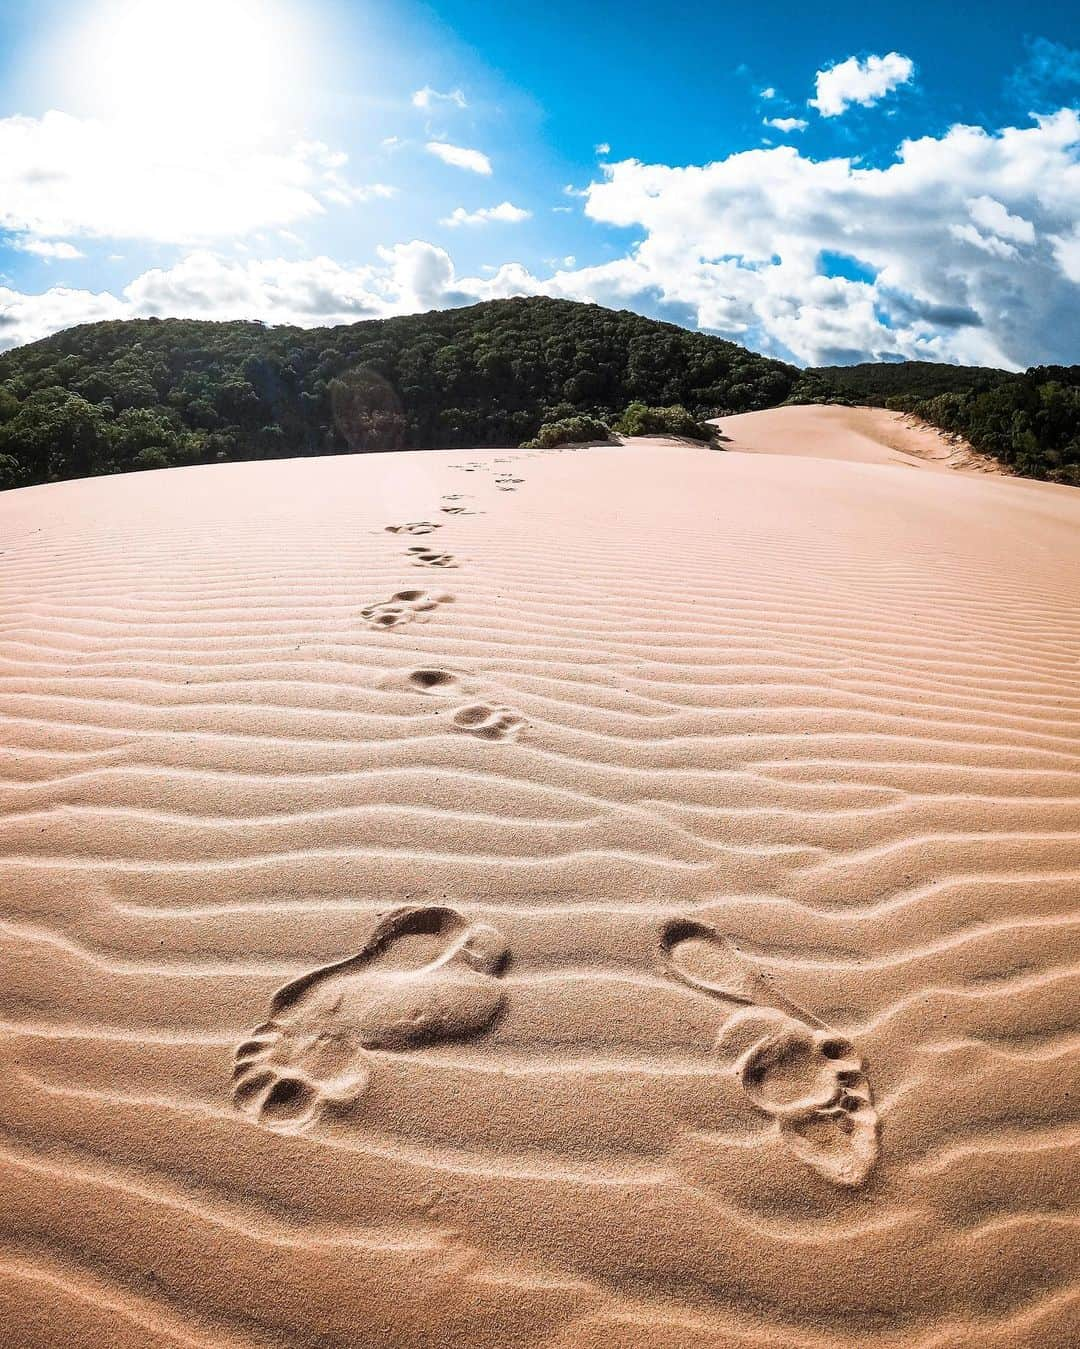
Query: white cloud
[
  {"x": 862, "y": 82},
  {"x": 506, "y": 212},
  {"x": 991, "y": 215},
  {"x": 602, "y": 149},
  {"x": 461, "y": 157},
  {"x": 306, "y": 292},
  {"x": 735, "y": 246},
  {"x": 786, "y": 123},
  {"x": 968, "y": 234},
  {"x": 428, "y": 98},
  {"x": 407, "y": 278},
  {"x": 1067, "y": 251},
  {"x": 970, "y": 238},
  {"x": 54, "y": 250},
  {"x": 768, "y": 93},
  {"x": 68, "y": 176},
  {"x": 25, "y": 318},
  {"x": 347, "y": 194}
]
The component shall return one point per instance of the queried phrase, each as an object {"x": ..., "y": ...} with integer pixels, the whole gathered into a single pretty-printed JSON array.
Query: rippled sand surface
[{"x": 615, "y": 897}]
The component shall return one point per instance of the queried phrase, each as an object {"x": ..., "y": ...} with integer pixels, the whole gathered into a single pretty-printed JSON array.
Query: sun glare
[{"x": 238, "y": 67}]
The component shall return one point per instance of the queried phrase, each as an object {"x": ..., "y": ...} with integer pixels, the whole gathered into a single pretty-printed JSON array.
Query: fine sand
[
  {"x": 615, "y": 897},
  {"x": 863, "y": 435}
]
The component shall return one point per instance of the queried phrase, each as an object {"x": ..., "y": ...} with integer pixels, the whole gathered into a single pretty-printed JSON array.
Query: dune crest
[
  {"x": 668, "y": 937},
  {"x": 855, "y": 434}
]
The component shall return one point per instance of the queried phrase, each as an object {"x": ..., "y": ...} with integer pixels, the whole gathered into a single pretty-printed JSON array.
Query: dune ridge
[{"x": 631, "y": 893}]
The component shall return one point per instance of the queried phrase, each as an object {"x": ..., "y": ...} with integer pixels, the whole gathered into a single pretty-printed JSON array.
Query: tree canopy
[
  {"x": 150, "y": 393},
  {"x": 112, "y": 396}
]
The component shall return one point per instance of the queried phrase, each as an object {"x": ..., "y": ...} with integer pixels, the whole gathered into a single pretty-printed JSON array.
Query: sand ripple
[{"x": 683, "y": 733}]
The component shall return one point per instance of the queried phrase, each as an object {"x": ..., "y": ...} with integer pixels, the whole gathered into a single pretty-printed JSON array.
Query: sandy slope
[
  {"x": 865, "y": 435},
  {"x": 363, "y": 961}
]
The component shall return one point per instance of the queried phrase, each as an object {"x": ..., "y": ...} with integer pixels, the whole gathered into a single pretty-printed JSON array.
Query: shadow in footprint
[
  {"x": 425, "y": 976},
  {"x": 427, "y": 557},
  {"x": 432, "y": 681},
  {"x": 793, "y": 1068},
  {"x": 486, "y": 722},
  {"x": 428, "y": 680},
  {"x": 406, "y": 606},
  {"x": 415, "y": 527}
]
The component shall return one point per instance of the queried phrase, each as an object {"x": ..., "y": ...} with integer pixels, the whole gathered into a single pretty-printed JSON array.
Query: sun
[{"x": 236, "y": 68}]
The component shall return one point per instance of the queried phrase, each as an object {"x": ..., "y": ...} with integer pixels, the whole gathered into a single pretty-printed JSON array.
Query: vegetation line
[{"x": 151, "y": 393}]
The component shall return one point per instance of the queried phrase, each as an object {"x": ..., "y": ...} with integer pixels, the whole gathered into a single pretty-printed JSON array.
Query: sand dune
[
  {"x": 616, "y": 897},
  {"x": 859, "y": 434}
]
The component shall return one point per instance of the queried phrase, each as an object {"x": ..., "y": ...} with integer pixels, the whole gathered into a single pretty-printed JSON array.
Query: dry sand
[
  {"x": 657, "y": 928},
  {"x": 863, "y": 435}
]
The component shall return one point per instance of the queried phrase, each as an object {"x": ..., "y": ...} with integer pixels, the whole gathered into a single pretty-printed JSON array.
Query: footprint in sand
[
  {"x": 424, "y": 977},
  {"x": 432, "y": 680},
  {"x": 791, "y": 1066},
  {"x": 414, "y": 527},
  {"x": 489, "y": 723},
  {"x": 454, "y": 507},
  {"x": 407, "y": 606},
  {"x": 429, "y": 680},
  {"x": 427, "y": 557},
  {"x": 505, "y": 484}
]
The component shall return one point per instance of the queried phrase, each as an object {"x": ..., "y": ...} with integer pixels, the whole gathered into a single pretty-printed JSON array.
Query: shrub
[
  {"x": 150, "y": 456},
  {"x": 640, "y": 420},
  {"x": 11, "y": 473},
  {"x": 569, "y": 431}
]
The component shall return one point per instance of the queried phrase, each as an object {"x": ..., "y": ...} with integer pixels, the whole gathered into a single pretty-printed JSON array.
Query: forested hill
[{"x": 148, "y": 393}]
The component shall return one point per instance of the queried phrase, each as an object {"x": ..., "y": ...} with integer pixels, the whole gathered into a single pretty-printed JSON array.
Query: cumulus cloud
[
  {"x": 428, "y": 98},
  {"x": 970, "y": 224},
  {"x": 69, "y": 176},
  {"x": 768, "y": 93},
  {"x": 991, "y": 215},
  {"x": 461, "y": 157},
  {"x": 407, "y": 277},
  {"x": 786, "y": 123},
  {"x": 988, "y": 243},
  {"x": 602, "y": 149},
  {"x": 862, "y": 82},
  {"x": 506, "y": 212},
  {"x": 25, "y": 318},
  {"x": 968, "y": 245}
]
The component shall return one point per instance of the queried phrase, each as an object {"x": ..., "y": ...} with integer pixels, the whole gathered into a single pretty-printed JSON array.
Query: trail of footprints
[
  {"x": 328, "y": 1031},
  {"x": 480, "y": 720}
]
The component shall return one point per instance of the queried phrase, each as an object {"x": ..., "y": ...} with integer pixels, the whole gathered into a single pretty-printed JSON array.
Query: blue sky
[{"x": 831, "y": 183}]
